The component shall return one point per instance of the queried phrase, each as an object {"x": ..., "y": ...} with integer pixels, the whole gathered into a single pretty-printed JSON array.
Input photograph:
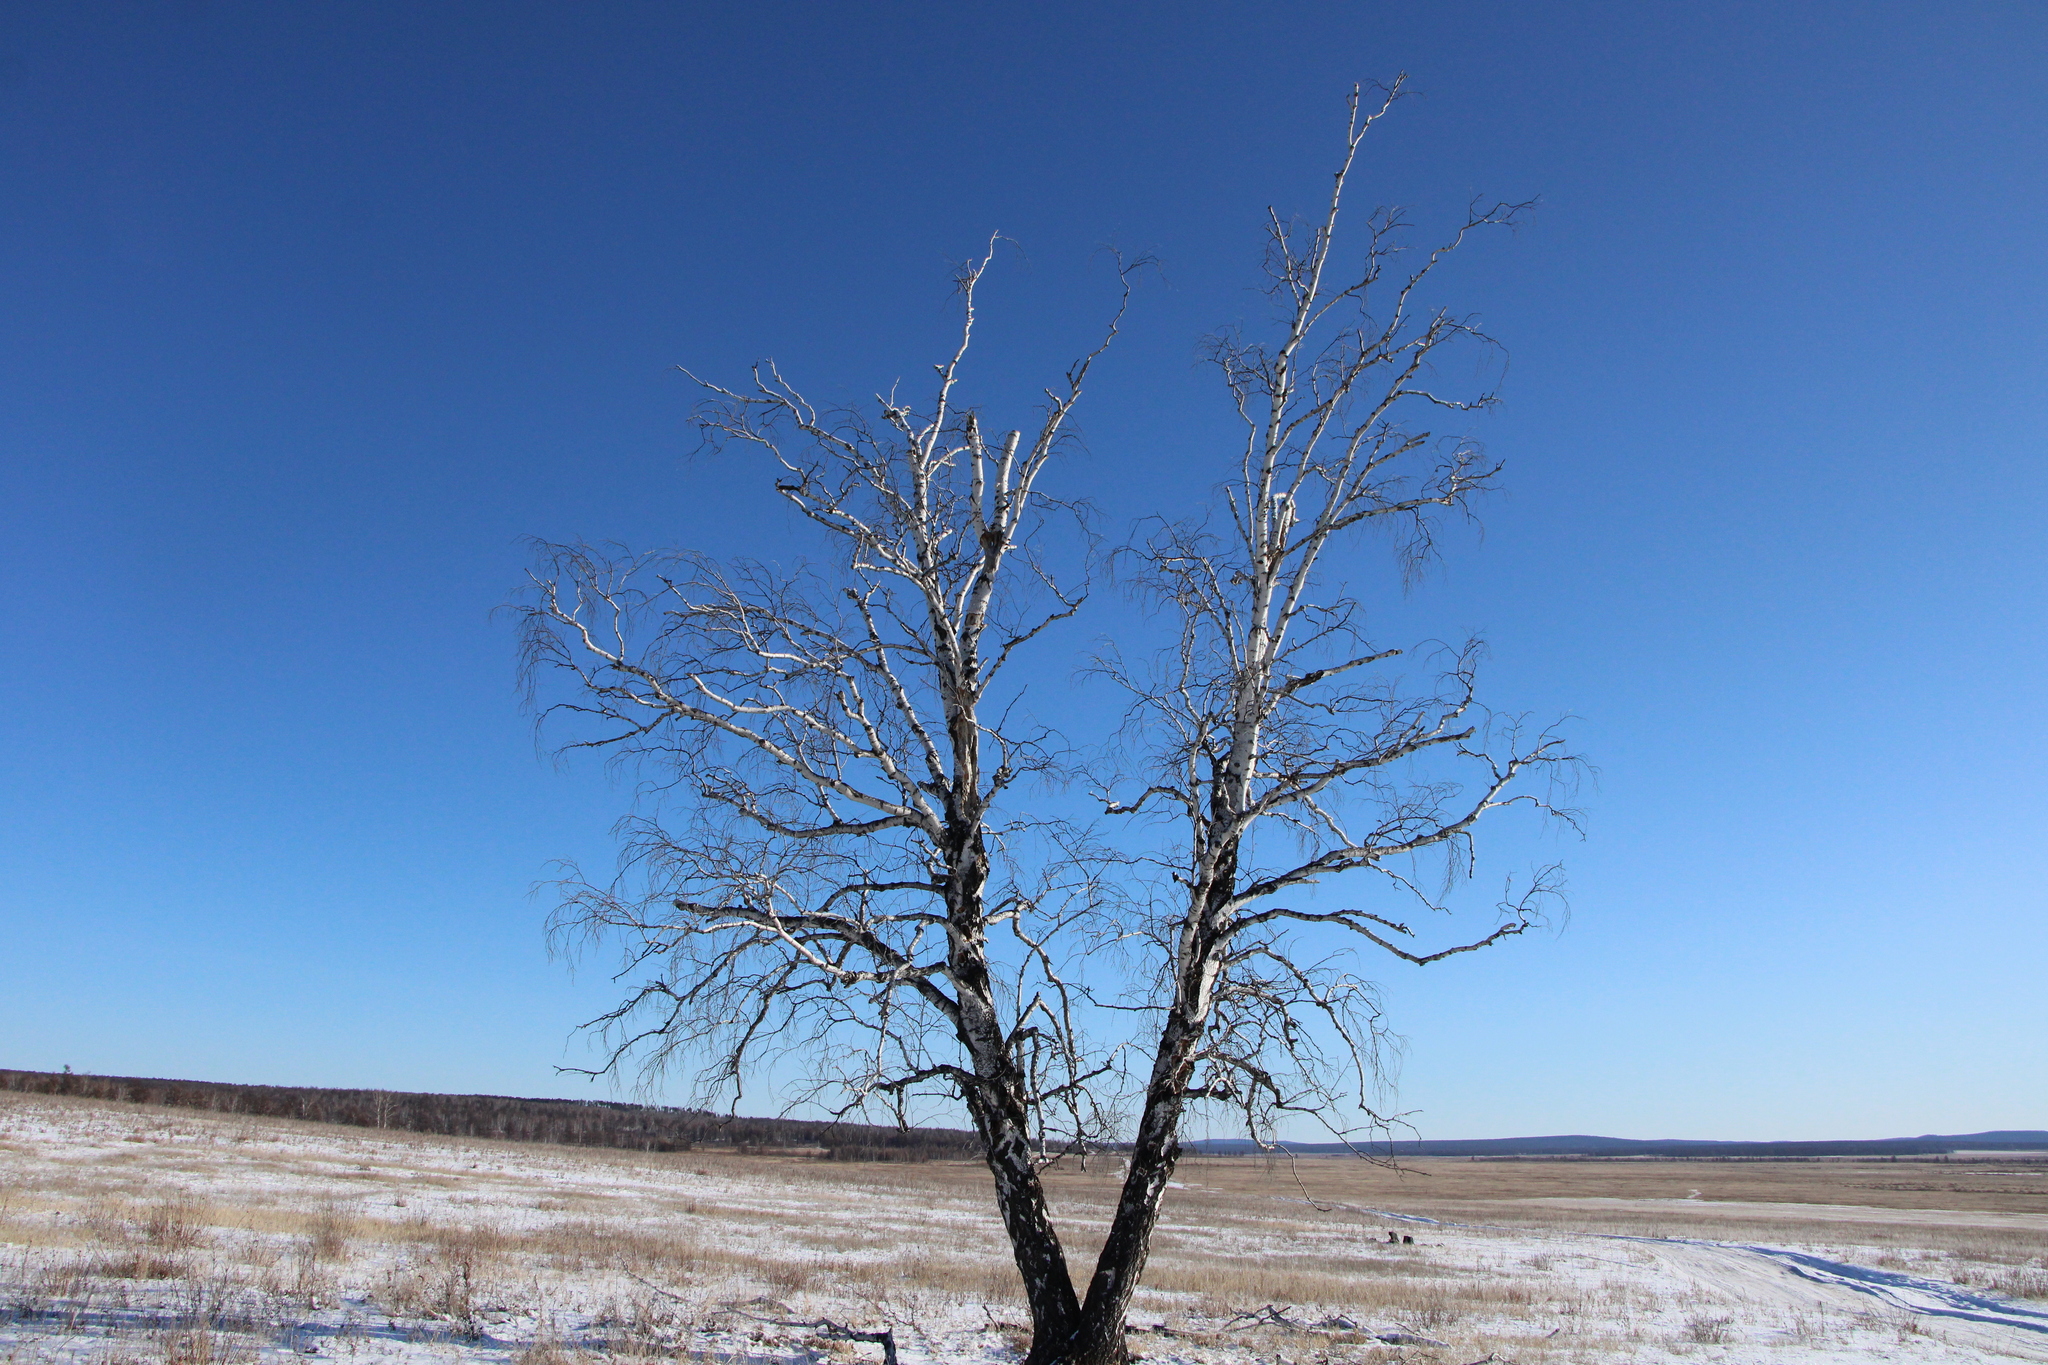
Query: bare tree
[
  {"x": 1274, "y": 722},
  {"x": 835, "y": 734},
  {"x": 858, "y": 879}
]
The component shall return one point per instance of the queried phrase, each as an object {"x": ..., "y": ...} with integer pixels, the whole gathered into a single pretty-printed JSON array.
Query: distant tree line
[{"x": 574, "y": 1123}]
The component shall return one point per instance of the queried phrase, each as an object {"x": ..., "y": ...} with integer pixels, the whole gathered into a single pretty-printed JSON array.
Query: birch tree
[
  {"x": 832, "y": 893},
  {"x": 1285, "y": 747},
  {"x": 854, "y": 868}
]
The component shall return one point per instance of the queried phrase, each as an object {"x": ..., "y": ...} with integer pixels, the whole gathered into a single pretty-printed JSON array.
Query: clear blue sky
[{"x": 310, "y": 312}]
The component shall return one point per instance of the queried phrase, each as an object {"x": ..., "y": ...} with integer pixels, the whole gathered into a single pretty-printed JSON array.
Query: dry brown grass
[
  {"x": 2003, "y": 1184},
  {"x": 135, "y": 1264},
  {"x": 174, "y": 1225},
  {"x": 204, "y": 1346}
]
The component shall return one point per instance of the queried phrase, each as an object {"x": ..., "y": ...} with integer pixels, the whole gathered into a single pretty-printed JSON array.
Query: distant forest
[{"x": 574, "y": 1123}]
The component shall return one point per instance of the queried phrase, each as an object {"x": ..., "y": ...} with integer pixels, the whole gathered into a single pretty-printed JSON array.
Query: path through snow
[{"x": 2009, "y": 1327}]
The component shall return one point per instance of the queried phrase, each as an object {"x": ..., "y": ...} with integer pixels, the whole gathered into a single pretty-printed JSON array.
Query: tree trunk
[
  {"x": 996, "y": 1100},
  {"x": 1156, "y": 1149},
  {"x": 1100, "y": 1338},
  {"x": 1035, "y": 1244}
]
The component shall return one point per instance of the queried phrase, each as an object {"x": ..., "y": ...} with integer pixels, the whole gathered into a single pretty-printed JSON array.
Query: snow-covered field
[{"x": 139, "y": 1235}]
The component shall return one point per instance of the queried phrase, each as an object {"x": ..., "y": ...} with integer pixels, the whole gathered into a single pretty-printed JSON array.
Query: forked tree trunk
[
  {"x": 1100, "y": 1339},
  {"x": 1098, "y": 1336}
]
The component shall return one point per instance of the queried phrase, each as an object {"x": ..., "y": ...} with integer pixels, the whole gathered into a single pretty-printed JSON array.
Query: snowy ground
[{"x": 136, "y": 1235}]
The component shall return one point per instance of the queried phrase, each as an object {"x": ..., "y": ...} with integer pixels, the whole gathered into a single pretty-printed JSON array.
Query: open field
[{"x": 130, "y": 1234}]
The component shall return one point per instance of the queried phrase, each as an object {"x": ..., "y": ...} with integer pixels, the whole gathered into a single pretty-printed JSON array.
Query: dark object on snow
[
  {"x": 824, "y": 1327},
  {"x": 885, "y": 1338}
]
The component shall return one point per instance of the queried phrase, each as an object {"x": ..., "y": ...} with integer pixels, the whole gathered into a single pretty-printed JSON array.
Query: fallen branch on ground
[
  {"x": 824, "y": 1327},
  {"x": 649, "y": 1284},
  {"x": 831, "y": 1331},
  {"x": 1272, "y": 1315}
]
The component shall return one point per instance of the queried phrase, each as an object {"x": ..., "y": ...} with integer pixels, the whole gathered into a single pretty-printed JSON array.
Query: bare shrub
[
  {"x": 1436, "y": 1314},
  {"x": 202, "y": 1345},
  {"x": 1704, "y": 1330},
  {"x": 546, "y": 1347},
  {"x": 456, "y": 1296},
  {"x": 1805, "y": 1329},
  {"x": 791, "y": 1277},
  {"x": 445, "y": 1278},
  {"x": 330, "y": 1233},
  {"x": 174, "y": 1225},
  {"x": 107, "y": 1219},
  {"x": 549, "y": 1351},
  {"x": 138, "y": 1264},
  {"x": 309, "y": 1280},
  {"x": 646, "y": 1325},
  {"x": 2026, "y": 1282},
  {"x": 27, "y": 1289}
]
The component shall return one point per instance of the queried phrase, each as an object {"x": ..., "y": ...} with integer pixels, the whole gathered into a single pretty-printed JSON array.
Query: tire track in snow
[
  {"x": 1908, "y": 1293},
  {"x": 1929, "y": 1298}
]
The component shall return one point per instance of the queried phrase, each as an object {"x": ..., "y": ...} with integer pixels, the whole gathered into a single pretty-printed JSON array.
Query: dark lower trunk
[
  {"x": 995, "y": 1097},
  {"x": 1034, "y": 1241},
  {"x": 1100, "y": 1338},
  {"x": 1065, "y": 1331},
  {"x": 1041, "y": 1260}
]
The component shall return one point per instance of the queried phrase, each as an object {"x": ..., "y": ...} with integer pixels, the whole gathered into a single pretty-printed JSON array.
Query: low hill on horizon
[{"x": 1589, "y": 1145}]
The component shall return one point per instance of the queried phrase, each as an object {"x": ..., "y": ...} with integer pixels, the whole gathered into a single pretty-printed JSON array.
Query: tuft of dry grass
[
  {"x": 446, "y": 1276},
  {"x": 203, "y": 1346},
  {"x": 329, "y": 1232},
  {"x": 1706, "y": 1329},
  {"x": 140, "y": 1263},
  {"x": 174, "y": 1225},
  {"x": 2023, "y": 1282}
]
